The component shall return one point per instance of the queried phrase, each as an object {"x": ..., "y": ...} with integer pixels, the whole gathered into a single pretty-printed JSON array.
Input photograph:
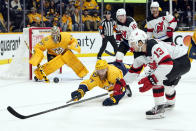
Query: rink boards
[{"x": 90, "y": 43}]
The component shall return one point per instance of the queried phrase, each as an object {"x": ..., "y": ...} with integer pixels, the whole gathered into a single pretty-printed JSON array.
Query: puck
[{"x": 56, "y": 80}]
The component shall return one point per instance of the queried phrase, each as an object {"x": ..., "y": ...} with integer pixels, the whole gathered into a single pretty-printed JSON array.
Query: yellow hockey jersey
[
  {"x": 113, "y": 73},
  {"x": 66, "y": 42}
]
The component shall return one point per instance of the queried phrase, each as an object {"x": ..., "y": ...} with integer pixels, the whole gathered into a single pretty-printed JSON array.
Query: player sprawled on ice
[
  {"x": 169, "y": 64},
  {"x": 125, "y": 25},
  {"x": 58, "y": 46},
  {"x": 160, "y": 25},
  {"x": 108, "y": 76}
]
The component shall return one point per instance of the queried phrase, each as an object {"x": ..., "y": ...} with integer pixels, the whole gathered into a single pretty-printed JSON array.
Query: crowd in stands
[
  {"x": 182, "y": 10},
  {"x": 66, "y": 15},
  {"x": 69, "y": 15}
]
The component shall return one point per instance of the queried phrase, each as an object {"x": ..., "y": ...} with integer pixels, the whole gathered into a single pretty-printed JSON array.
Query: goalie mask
[
  {"x": 55, "y": 33},
  {"x": 134, "y": 39}
]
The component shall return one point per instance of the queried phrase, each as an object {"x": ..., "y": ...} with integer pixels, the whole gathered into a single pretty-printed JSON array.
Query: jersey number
[
  {"x": 158, "y": 52},
  {"x": 134, "y": 26}
]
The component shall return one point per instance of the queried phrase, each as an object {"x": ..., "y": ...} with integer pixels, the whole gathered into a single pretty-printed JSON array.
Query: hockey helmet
[
  {"x": 154, "y": 4},
  {"x": 55, "y": 33},
  {"x": 136, "y": 36},
  {"x": 154, "y": 8},
  {"x": 101, "y": 64},
  {"x": 120, "y": 12}
]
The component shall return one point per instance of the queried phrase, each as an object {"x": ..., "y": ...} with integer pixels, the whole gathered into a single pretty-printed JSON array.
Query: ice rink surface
[{"x": 29, "y": 97}]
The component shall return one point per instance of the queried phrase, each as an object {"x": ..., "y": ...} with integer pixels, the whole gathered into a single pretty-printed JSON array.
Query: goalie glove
[{"x": 148, "y": 82}]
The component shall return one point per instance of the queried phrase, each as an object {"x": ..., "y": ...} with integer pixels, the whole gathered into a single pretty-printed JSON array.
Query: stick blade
[{"x": 16, "y": 114}]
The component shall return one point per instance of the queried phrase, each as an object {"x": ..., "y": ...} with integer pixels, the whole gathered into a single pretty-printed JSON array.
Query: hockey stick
[
  {"x": 16, "y": 114},
  {"x": 39, "y": 66},
  {"x": 109, "y": 53}
]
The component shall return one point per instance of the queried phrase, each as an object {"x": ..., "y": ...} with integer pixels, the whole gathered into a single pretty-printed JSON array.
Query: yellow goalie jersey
[
  {"x": 113, "y": 73},
  {"x": 66, "y": 42},
  {"x": 63, "y": 53}
]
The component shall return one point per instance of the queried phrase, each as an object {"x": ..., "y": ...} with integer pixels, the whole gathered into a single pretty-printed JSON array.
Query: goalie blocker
[{"x": 67, "y": 58}]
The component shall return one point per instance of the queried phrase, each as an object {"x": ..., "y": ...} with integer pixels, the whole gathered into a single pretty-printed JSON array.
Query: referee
[{"x": 106, "y": 30}]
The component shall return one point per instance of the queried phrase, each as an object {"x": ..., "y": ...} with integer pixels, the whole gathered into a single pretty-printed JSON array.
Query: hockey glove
[
  {"x": 77, "y": 95},
  {"x": 170, "y": 31},
  {"x": 110, "y": 101},
  {"x": 119, "y": 36},
  {"x": 119, "y": 87},
  {"x": 148, "y": 82}
]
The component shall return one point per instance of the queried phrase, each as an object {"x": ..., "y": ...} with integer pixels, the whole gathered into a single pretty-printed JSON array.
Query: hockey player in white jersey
[
  {"x": 125, "y": 25},
  {"x": 160, "y": 25},
  {"x": 169, "y": 64}
]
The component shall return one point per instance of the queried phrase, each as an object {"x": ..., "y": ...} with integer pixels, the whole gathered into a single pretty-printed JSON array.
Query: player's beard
[{"x": 103, "y": 77}]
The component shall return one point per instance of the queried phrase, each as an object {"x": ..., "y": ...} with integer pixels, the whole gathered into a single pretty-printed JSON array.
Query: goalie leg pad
[
  {"x": 50, "y": 67},
  {"x": 36, "y": 58},
  {"x": 73, "y": 62}
]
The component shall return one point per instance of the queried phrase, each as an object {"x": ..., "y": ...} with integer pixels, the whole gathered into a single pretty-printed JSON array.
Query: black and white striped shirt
[{"x": 107, "y": 26}]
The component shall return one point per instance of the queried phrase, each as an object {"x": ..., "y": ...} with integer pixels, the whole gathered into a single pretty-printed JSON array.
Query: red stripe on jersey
[
  {"x": 163, "y": 18},
  {"x": 118, "y": 60},
  {"x": 150, "y": 30},
  {"x": 135, "y": 70},
  {"x": 173, "y": 20},
  {"x": 166, "y": 60}
]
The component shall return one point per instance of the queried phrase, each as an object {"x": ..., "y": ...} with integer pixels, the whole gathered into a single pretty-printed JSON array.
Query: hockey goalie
[{"x": 58, "y": 46}]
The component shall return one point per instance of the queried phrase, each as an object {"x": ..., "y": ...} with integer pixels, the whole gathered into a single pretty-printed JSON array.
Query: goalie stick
[{"x": 16, "y": 114}]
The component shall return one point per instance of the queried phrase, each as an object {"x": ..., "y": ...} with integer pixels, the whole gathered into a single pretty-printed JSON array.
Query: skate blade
[
  {"x": 157, "y": 116},
  {"x": 169, "y": 109}
]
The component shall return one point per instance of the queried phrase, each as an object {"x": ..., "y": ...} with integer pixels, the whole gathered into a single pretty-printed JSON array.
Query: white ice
[{"x": 29, "y": 97}]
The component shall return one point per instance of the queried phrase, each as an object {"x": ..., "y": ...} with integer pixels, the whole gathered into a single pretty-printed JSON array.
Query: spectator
[
  {"x": 96, "y": 21},
  {"x": 2, "y": 24},
  {"x": 77, "y": 4},
  {"x": 55, "y": 21},
  {"x": 70, "y": 8},
  {"x": 91, "y": 6},
  {"x": 76, "y": 20},
  {"x": 35, "y": 18},
  {"x": 17, "y": 15},
  {"x": 86, "y": 20},
  {"x": 15, "y": 4},
  {"x": 188, "y": 16},
  {"x": 66, "y": 22}
]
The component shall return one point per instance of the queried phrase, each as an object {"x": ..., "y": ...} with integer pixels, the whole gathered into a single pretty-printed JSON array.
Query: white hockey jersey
[
  {"x": 127, "y": 27},
  {"x": 159, "y": 56},
  {"x": 157, "y": 27}
]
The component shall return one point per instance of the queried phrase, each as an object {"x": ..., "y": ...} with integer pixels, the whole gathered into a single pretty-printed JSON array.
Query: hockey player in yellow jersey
[
  {"x": 108, "y": 76},
  {"x": 58, "y": 46}
]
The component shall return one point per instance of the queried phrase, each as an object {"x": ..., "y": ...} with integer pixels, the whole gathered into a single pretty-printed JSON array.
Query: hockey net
[{"x": 20, "y": 67}]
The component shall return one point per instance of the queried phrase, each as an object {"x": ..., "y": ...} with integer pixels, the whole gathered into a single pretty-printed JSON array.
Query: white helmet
[
  {"x": 136, "y": 36},
  {"x": 154, "y": 4},
  {"x": 120, "y": 12}
]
